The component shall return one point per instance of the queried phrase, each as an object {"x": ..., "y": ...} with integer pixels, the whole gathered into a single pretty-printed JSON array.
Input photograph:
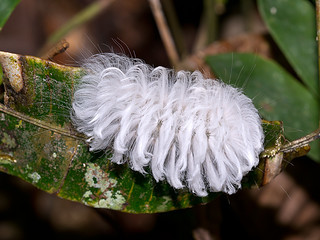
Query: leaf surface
[
  {"x": 292, "y": 24},
  {"x": 39, "y": 145}
]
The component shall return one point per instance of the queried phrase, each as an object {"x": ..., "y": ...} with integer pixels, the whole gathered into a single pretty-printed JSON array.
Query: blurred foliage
[
  {"x": 275, "y": 92},
  {"x": 6, "y": 8}
]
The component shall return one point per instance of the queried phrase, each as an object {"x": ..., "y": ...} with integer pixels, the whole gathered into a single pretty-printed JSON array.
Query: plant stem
[
  {"x": 247, "y": 9},
  {"x": 211, "y": 20},
  {"x": 208, "y": 29},
  {"x": 165, "y": 34},
  {"x": 58, "y": 48},
  {"x": 175, "y": 27},
  {"x": 83, "y": 16},
  {"x": 291, "y": 146}
]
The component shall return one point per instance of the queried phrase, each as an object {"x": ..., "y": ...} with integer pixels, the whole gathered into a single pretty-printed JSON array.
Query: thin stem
[
  {"x": 201, "y": 36},
  {"x": 247, "y": 9},
  {"x": 59, "y": 48},
  {"x": 165, "y": 34},
  {"x": 211, "y": 20},
  {"x": 175, "y": 27},
  {"x": 83, "y": 16},
  {"x": 291, "y": 146},
  {"x": 208, "y": 30}
]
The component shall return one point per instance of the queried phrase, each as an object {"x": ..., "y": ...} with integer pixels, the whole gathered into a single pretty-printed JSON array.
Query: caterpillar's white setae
[{"x": 191, "y": 131}]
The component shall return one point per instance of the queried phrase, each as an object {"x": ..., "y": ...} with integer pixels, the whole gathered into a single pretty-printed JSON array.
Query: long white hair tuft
[{"x": 191, "y": 131}]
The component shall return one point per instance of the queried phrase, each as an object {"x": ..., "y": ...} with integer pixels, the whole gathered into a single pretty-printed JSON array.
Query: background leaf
[
  {"x": 292, "y": 24},
  {"x": 6, "y": 8},
  {"x": 275, "y": 93}
]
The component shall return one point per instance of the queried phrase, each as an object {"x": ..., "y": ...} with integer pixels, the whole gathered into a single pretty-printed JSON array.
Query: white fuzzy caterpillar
[{"x": 191, "y": 131}]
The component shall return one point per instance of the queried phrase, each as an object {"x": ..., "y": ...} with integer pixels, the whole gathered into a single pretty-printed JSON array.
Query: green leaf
[
  {"x": 275, "y": 93},
  {"x": 39, "y": 145},
  {"x": 292, "y": 24},
  {"x": 6, "y": 8}
]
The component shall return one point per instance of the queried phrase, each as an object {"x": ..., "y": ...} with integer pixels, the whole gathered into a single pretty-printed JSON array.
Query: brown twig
[
  {"x": 90, "y": 12},
  {"x": 165, "y": 34},
  {"x": 57, "y": 49},
  {"x": 175, "y": 27},
  {"x": 291, "y": 146},
  {"x": 211, "y": 20}
]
